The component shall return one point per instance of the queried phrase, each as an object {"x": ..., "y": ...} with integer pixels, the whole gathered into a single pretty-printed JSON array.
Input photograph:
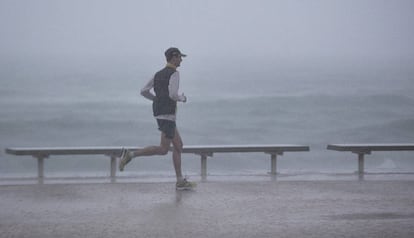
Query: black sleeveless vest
[{"x": 163, "y": 104}]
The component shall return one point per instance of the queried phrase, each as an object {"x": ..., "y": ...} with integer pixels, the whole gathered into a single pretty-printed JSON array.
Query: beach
[
  {"x": 380, "y": 208},
  {"x": 309, "y": 73}
]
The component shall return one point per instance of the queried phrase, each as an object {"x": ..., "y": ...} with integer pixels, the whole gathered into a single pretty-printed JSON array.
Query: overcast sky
[{"x": 211, "y": 29}]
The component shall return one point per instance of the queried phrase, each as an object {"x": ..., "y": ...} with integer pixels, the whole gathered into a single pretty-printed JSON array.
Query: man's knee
[
  {"x": 178, "y": 147},
  {"x": 163, "y": 151}
]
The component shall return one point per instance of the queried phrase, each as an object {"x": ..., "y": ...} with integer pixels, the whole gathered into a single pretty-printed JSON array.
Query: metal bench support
[
  {"x": 273, "y": 164},
  {"x": 113, "y": 168},
  {"x": 360, "y": 163},
  {"x": 203, "y": 166},
  {"x": 40, "y": 167}
]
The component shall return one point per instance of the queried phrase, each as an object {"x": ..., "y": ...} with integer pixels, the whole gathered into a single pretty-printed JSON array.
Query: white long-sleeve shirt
[{"x": 173, "y": 93}]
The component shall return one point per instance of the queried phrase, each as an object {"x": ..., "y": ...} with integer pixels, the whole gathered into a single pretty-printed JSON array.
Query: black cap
[{"x": 170, "y": 52}]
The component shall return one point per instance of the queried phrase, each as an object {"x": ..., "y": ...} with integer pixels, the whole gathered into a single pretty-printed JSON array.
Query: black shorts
[{"x": 167, "y": 127}]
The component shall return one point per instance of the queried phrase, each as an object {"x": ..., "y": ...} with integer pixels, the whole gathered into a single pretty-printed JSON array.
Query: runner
[{"x": 166, "y": 85}]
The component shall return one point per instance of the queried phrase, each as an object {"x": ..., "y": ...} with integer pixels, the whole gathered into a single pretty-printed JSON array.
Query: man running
[{"x": 165, "y": 84}]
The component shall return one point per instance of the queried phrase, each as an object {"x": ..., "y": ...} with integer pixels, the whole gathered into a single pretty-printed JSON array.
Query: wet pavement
[{"x": 214, "y": 209}]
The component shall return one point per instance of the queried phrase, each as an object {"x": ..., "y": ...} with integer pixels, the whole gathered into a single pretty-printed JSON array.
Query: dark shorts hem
[{"x": 167, "y": 127}]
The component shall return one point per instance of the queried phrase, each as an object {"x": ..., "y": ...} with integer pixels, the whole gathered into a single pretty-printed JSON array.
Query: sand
[{"x": 215, "y": 209}]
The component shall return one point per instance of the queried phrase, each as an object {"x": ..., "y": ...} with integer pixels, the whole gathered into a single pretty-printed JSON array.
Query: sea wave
[{"x": 314, "y": 120}]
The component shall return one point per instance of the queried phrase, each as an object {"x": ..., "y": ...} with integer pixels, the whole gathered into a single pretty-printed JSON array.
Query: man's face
[{"x": 176, "y": 60}]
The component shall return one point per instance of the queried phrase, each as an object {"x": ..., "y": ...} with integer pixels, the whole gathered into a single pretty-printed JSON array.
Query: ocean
[{"x": 315, "y": 106}]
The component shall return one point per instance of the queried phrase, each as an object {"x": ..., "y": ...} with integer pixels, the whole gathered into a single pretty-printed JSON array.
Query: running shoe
[
  {"x": 185, "y": 185},
  {"x": 125, "y": 159}
]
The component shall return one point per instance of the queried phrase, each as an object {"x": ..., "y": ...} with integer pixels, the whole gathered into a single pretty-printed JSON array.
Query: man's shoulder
[{"x": 166, "y": 71}]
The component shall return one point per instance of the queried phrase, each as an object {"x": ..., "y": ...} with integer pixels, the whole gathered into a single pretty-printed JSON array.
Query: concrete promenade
[{"x": 215, "y": 209}]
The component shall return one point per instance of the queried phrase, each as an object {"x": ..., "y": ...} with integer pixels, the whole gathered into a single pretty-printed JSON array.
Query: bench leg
[
  {"x": 273, "y": 164},
  {"x": 203, "y": 167},
  {"x": 360, "y": 163},
  {"x": 40, "y": 169},
  {"x": 113, "y": 168}
]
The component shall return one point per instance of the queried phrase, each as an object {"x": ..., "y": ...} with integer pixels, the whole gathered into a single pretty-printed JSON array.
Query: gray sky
[{"x": 212, "y": 30}]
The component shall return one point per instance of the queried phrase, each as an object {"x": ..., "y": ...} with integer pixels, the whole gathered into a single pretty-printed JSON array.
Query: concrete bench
[
  {"x": 41, "y": 153},
  {"x": 366, "y": 149}
]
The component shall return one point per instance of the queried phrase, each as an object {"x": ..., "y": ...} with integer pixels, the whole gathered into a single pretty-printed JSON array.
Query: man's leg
[
  {"x": 177, "y": 149},
  {"x": 162, "y": 149},
  {"x": 182, "y": 183}
]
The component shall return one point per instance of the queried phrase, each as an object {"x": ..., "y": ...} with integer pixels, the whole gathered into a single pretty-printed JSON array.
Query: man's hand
[{"x": 184, "y": 98}]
